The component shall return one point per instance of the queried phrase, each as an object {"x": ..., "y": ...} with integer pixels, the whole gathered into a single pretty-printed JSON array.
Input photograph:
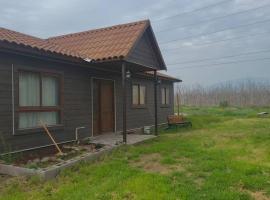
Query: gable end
[{"x": 146, "y": 51}]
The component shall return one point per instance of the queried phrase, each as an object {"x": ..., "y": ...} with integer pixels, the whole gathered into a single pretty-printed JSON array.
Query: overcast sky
[{"x": 183, "y": 35}]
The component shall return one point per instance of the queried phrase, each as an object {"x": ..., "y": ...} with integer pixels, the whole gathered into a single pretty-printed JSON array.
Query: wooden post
[
  {"x": 155, "y": 101},
  {"x": 50, "y": 136},
  {"x": 178, "y": 100},
  {"x": 124, "y": 102}
]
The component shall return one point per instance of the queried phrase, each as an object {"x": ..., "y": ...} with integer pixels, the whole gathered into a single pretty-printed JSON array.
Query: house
[{"x": 104, "y": 80}]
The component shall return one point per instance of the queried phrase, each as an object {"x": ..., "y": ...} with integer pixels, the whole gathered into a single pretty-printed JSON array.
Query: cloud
[{"x": 54, "y": 17}]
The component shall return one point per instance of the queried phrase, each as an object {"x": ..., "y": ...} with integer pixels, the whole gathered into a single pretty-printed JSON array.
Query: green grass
[{"x": 226, "y": 155}]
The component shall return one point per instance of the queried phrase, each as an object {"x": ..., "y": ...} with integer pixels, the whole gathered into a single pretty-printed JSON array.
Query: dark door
[{"x": 103, "y": 106}]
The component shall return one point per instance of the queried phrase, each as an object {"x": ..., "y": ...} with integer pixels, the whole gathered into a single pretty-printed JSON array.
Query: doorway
[{"x": 103, "y": 106}]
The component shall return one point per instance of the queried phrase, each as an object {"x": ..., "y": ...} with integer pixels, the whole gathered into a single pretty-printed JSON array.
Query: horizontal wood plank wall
[
  {"x": 5, "y": 101},
  {"x": 76, "y": 99},
  {"x": 144, "y": 53},
  {"x": 139, "y": 117},
  {"x": 77, "y": 105}
]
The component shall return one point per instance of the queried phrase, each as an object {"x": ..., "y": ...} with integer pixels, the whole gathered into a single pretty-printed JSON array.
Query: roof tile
[
  {"x": 33, "y": 42},
  {"x": 105, "y": 43}
]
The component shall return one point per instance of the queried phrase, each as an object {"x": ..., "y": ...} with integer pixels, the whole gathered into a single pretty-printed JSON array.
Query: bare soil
[
  {"x": 22, "y": 158},
  {"x": 152, "y": 163},
  {"x": 3, "y": 179},
  {"x": 259, "y": 195}
]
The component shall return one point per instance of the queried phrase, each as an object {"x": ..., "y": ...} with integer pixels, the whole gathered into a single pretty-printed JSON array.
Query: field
[{"x": 226, "y": 155}]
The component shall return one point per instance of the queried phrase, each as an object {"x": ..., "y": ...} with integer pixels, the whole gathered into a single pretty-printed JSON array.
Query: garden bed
[
  {"x": 44, "y": 157},
  {"x": 47, "y": 162}
]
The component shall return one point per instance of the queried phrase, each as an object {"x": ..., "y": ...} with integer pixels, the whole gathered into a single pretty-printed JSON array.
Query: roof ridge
[{"x": 99, "y": 29}]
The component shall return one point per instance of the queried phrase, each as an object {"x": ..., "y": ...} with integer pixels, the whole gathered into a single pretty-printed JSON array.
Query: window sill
[
  {"x": 165, "y": 106},
  {"x": 28, "y": 131},
  {"x": 138, "y": 107}
]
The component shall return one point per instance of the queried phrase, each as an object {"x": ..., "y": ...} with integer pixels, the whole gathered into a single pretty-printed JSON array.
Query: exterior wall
[
  {"x": 144, "y": 52},
  {"x": 77, "y": 102}
]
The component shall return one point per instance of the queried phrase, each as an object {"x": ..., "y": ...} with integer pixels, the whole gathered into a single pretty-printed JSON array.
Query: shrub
[{"x": 224, "y": 104}]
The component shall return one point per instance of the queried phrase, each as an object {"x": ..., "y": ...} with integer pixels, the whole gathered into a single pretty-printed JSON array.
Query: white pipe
[
  {"x": 64, "y": 142},
  {"x": 37, "y": 147},
  {"x": 13, "y": 101},
  {"x": 76, "y": 132}
]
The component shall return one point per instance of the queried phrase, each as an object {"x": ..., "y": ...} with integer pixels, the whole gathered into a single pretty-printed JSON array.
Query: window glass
[
  {"x": 50, "y": 118},
  {"x": 167, "y": 96},
  {"x": 39, "y": 96},
  {"x": 29, "y": 89},
  {"x": 135, "y": 95},
  {"x": 50, "y": 91},
  {"x": 138, "y": 94},
  {"x": 32, "y": 119},
  {"x": 142, "y": 95},
  {"x": 163, "y": 94}
]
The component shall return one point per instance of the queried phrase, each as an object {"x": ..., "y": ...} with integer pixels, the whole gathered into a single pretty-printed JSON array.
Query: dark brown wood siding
[
  {"x": 77, "y": 105},
  {"x": 144, "y": 52}
]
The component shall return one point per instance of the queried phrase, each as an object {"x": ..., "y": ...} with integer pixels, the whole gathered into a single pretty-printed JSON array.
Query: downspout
[
  {"x": 124, "y": 101},
  {"x": 13, "y": 100}
]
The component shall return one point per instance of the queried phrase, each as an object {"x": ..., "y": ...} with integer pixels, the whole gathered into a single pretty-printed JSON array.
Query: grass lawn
[{"x": 226, "y": 155}]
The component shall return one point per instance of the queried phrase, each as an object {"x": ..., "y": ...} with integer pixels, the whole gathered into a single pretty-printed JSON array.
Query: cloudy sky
[{"x": 203, "y": 41}]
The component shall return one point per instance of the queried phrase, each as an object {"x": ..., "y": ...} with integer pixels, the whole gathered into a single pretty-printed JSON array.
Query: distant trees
[{"x": 241, "y": 93}]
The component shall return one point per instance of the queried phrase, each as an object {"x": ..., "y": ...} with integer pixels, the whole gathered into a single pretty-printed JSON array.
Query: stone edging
[{"x": 52, "y": 171}]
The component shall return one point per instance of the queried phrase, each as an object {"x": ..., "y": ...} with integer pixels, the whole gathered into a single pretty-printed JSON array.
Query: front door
[{"x": 103, "y": 106}]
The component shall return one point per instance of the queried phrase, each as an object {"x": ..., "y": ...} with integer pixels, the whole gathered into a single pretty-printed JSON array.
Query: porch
[{"x": 115, "y": 139}]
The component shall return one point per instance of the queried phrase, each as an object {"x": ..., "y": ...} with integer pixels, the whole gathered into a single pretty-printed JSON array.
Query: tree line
[{"x": 232, "y": 93}]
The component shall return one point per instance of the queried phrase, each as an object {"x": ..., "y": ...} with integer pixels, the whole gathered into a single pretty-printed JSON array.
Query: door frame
[{"x": 92, "y": 100}]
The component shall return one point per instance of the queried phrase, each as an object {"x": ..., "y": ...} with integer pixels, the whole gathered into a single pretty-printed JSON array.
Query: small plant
[
  {"x": 224, "y": 104},
  {"x": 86, "y": 141},
  {"x": 7, "y": 158},
  {"x": 32, "y": 166}
]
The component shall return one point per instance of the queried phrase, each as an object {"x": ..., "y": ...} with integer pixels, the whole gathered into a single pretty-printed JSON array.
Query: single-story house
[{"x": 104, "y": 80}]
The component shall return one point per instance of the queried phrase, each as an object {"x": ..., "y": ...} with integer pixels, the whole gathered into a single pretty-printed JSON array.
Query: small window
[
  {"x": 165, "y": 96},
  {"x": 39, "y": 99},
  {"x": 138, "y": 95}
]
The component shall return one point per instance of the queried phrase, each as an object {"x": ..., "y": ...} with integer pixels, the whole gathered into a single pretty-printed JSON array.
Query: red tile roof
[
  {"x": 109, "y": 43},
  {"x": 34, "y": 42}
]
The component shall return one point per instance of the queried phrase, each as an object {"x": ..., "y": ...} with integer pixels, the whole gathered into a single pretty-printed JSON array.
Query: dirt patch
[
  {"x": 199, "y": 181},
  {"x": 255, "y": 156},
  {"x": 152, "y": 163},
  {"x": 259, "y": 195},
  {"x": 3, "y": 180}
]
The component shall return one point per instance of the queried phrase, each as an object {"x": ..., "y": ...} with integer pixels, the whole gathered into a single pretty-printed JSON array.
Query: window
[
  {"x": 138, "y": 95},
  {"x": 39, "y": 99},
  {"x": 165, "y": 96}
]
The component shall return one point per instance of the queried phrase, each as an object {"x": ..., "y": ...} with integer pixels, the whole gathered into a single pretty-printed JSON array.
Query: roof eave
[{"x": 12, "y": 47}]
